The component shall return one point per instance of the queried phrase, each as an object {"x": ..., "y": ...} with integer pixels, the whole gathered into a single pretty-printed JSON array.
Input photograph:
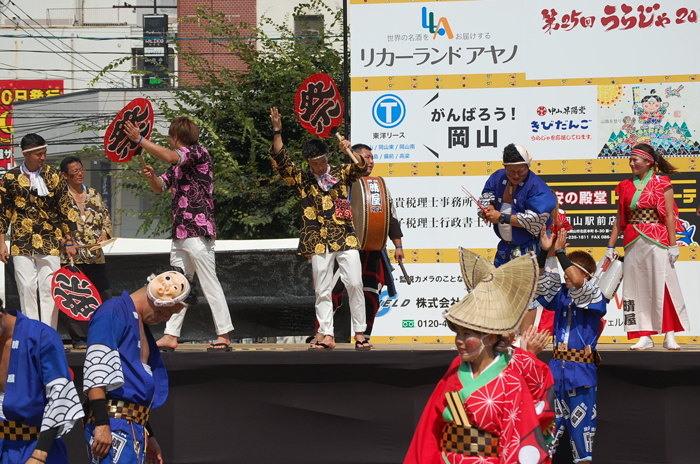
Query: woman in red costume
[
  {"x": 648, "y": 215},
  {"x": 482, "y": 410}
]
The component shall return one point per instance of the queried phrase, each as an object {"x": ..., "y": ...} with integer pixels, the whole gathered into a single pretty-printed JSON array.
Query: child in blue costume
[
  {"x": 579, "y": 306},
  {"x": 124, "y": 374}
]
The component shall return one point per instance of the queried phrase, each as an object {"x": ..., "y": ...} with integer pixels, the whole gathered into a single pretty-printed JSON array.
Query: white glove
[
  {"x": 609, "y": 253},
  {"x": 673, "y": 254}
]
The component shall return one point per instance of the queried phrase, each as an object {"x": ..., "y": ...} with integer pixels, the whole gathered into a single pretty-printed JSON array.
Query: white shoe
[
  {"x": 670, "y": 342},
  {"x": 644, "y": 343}
]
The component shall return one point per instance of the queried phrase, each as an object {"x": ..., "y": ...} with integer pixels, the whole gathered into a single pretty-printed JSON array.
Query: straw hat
[
  {"x": 474, "y": 268},
  {"x": 498, "y": 297}
]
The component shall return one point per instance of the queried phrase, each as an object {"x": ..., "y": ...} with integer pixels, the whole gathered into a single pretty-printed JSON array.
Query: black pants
[{"x": 97, "y": 273}]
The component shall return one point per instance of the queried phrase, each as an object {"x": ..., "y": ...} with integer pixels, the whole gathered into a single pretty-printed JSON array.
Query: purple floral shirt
[{"x": 192, "y": 181}]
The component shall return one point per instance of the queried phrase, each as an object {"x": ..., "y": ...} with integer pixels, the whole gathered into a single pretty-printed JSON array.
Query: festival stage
[{"x": 281, "y": 403}]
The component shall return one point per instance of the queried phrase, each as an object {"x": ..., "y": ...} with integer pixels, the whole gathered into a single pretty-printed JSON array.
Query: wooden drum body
[{"x": 369, "y": 201}]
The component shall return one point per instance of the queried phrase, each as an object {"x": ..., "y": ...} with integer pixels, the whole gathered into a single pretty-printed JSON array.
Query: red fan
[
  {"x": 318, "y": 105},
  {"x": 117, "y": 145},
  {"x": 74, "y": 294}
]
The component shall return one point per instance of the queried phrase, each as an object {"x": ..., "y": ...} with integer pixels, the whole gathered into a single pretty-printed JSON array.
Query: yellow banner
[
  {"x": 486, "y": 168},
  {"x": 451, "y": 255},
  {"x": 450, "y": 340},
  {"x": 497, "y": 81}
]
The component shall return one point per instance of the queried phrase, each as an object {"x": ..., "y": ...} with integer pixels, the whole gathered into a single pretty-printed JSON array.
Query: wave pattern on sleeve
[
  {"x": 586, "y": 295},
  {"x": 103, "y": 368},
  {"x": 63, "y": 406}
]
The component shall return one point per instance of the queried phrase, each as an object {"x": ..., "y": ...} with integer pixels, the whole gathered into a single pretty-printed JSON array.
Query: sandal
[
  {"x": 323, "y": 347},
  {"x": 81, "y": 345},
  {"x": 362, "y": 346},
  {"x": 224, "y": 347}
]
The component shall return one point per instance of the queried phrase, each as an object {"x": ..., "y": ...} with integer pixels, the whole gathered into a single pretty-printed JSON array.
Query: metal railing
[{"x": 57, "y": 17}]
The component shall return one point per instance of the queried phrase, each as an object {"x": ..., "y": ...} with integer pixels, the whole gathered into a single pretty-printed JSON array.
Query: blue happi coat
[
  {"x": 113, "y": 358},
  {"x": 587, "y": 306},
  {"x": 113, "y": 361},
  {"x": 533, "y": 203},
  {"x": 39, "y": 391}
]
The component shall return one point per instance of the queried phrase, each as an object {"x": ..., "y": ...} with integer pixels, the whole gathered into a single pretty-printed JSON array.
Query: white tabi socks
[
  {"x": 644, "y": 343},
  {"x": 670, "y": 342}
]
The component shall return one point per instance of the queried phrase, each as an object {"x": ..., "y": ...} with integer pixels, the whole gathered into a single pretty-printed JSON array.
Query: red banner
[{"x": 10, "y": 92}]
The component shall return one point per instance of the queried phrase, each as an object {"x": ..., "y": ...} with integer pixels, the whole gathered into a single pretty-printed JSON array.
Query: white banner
[
  {"x": 457, "y": 125},
  {"x": 601, "y": 38},
  {"x": 437, "y": 38},
  {"x": 440, "y": 88}
]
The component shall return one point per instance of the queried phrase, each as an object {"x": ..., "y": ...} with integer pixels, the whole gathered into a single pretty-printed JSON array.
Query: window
[{"x": 307, "y": 28}]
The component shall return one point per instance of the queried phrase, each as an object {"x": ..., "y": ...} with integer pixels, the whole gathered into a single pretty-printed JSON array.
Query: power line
[
  {"x": 173, "y": 38},
  {"x": 59, "y": 55},
  {"x": 102, "y": 53},
  {"x": 68, "y": 46},
  {"x": 43, "y": 70},
  {"x": 37, "y": 23}
]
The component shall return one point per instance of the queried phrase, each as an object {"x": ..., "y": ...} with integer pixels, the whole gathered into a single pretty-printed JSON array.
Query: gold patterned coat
[
  {"x": 320, "y": 227},
  {"x": 38, "y": 223},
  {"x": 90, "y": 228}
]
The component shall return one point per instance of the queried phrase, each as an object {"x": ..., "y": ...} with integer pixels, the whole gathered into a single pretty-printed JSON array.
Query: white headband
[
  {"x": 524, "y": 154},
  {"x": 316, "y": 157},
  {"x": 35, "y": 148},
  {"x": 581, "y": 267}
]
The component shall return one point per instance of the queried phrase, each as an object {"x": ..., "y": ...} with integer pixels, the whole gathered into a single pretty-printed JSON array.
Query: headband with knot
[{"x": 527, "y": 159}]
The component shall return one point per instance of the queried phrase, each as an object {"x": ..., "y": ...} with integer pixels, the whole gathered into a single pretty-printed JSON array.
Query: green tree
[{"x": 232, "y": 110}]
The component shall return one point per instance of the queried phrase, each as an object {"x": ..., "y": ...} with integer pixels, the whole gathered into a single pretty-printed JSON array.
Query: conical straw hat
[
  {"x": 499, "y": 299},
  {"x": 474, "y": 268}
]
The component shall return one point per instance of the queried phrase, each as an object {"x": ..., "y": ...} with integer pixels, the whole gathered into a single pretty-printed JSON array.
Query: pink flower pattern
[{"x": 192, "y": 184}]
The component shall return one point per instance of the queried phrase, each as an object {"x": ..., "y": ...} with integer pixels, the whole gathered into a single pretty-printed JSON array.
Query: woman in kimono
[
  {"x": 648, "y": 215},
  {"x": 482, "y": 411}
]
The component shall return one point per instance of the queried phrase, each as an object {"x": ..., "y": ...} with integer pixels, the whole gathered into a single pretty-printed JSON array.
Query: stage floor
[{"x": 263, "y": 403}]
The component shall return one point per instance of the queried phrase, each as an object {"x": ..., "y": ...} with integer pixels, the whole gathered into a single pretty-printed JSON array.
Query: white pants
[
  {"x": 196, "y": 255},
  {"x": 30, "y": 272},
  {"x": 351, "y": 275}
]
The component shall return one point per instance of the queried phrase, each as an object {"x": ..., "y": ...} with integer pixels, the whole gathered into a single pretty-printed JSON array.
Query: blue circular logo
[
  {"x": 388, "y": 111},
  {"x": 384, "y": 308}
]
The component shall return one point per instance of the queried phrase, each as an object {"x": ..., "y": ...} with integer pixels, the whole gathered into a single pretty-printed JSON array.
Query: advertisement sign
[
  {"x": 10, "y": 92},
  {"x": 440, "y": 88}
]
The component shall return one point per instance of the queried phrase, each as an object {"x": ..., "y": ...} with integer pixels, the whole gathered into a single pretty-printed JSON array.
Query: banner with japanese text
[
  {"x": 440, "y": 88},
  {"x": 10, "y": 92}
]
